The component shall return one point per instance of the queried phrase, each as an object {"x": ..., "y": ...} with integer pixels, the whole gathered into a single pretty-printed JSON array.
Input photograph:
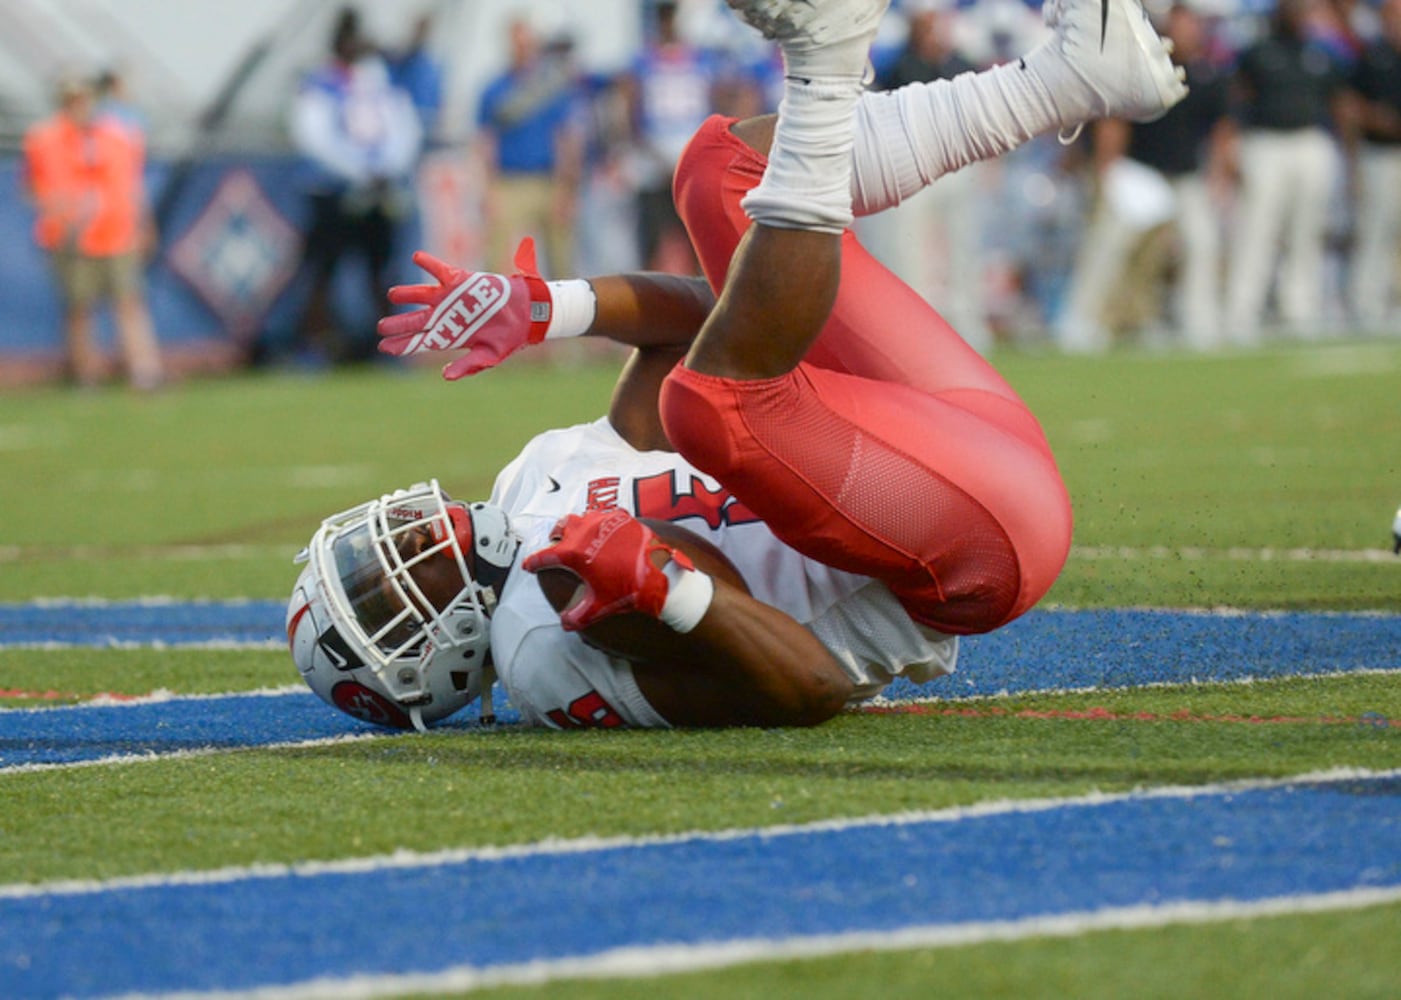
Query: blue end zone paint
[
  {"x": 1044, "y": 650},
  {"x": 230, "y": 722},
  {"x": 1241, "y": 846},
  {"x": 173, "y": 624},
  {"x": 1049, "y": 650},
  {"x": 68, "y": 735}
]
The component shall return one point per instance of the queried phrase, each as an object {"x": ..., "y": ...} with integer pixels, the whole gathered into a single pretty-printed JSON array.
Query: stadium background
[
  {"x": 1179, "y": 778},
  {"x": 212, "y": 82}
]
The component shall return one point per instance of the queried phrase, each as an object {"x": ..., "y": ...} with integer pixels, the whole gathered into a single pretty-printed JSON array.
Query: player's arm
[
  {"x": 704, "y": 652},
  {"x": 649, "y": 309},
  {"x": 491, "y": 316}
]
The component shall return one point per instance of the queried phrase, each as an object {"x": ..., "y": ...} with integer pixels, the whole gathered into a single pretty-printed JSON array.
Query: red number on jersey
[{"x": 588, "y": 711}]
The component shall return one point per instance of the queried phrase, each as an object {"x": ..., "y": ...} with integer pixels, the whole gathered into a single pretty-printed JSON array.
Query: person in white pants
[
  {"x": 1287, "y": 88},
  {"x": 1377, "y": 84},
  {"x": 933, "y": 242},
  {"x": 1150, "y": 176}
]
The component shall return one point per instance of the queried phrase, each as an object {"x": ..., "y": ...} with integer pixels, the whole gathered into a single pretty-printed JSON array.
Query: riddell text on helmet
[{"x": 462, "y": 313}]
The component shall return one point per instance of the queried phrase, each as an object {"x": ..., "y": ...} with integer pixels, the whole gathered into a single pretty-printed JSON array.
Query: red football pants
[{"x": 894, "y": 450}]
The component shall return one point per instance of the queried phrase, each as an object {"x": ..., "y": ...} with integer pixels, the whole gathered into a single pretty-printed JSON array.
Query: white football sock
[
  {"x": 807, "y": 183},
  {"x": 908, "y": 138}
]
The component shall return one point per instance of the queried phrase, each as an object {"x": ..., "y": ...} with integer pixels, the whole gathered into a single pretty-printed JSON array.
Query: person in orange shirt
[{"x": 84, "y": 175}]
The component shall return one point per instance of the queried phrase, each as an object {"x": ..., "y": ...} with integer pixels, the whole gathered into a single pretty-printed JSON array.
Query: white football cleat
[
  {"x": 1106, "y": 60},
  {"x": 841, "y": 27}
]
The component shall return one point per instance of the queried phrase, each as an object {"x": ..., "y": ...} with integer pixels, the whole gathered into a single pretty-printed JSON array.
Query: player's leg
[
  {"x": 1263, "y": 202},
  {"x": 1303, "y": 268},
  {"x": 79, "y": 284},
  {"x": 879, "y": 326},
  {"x": 904, "y": 140},
  {"x": 135, "y": 331},
  {"x": 783, "y": 278},
  {"x": 1103, "y": 59},
  {"x": 967, "y": 522}
]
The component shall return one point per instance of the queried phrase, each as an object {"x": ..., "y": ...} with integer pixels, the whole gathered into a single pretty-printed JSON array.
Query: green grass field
[{"x": 1259, "y": 481}]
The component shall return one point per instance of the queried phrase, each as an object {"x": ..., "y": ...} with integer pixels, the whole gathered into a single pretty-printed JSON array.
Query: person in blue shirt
[
  {"x": 531, "y": 143},
  {"x": 419, "y": 73}
]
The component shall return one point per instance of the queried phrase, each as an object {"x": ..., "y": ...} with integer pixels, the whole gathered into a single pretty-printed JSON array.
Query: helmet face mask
[{"x": 407, "y": 584}]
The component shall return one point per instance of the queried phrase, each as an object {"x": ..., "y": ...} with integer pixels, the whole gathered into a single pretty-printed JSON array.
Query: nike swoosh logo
[{"x": 554, "y": 485}]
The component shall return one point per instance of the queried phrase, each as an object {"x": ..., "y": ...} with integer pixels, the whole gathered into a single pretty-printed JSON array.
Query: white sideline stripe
[
  {"x": 186, "y": 553},
  {"x": 147, "y": 758},
  {"x": 1219, "y": 611},
  {"x": 173, "y": 553},
  {"x": 144, "y": 601},
  {"x": 558, "y": 847},
  {"x": 640, "y": 962},
  {"x": 881, "y": 701},
  {"x": 1192, "y": 553},
  {"x": 158, "y": 644},
  {"x": 161, "y": 695}
]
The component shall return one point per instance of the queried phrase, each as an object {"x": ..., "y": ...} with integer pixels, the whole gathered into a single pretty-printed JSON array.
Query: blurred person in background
[
  {"x": 419, "y": 73},
  {"x": 1376, "y": 85},
  {"x": 114, "y": 103},
  {"x": 933, "y": 242},
  {"x": 531, "y": 143},
  {"x": 672, "y": 86},
  {"x": 1160, "y": 187},
  {"x": 1286, "y": 91},
  {"x": 360, "y": 139},
  {"x": 1342, "y": 27},
  {"x": 83, "y": 173},
  {"x": 1031, "y": 214},
  {"x": 606, "y": 233}
]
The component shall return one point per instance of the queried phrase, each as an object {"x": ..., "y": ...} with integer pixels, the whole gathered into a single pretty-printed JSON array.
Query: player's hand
[
  {"x": 490, "y": 315},
  {"x": 616, "y": 559}
]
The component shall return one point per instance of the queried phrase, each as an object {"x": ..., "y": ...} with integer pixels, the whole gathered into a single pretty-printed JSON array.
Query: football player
[{"x": 805, "y": 486}]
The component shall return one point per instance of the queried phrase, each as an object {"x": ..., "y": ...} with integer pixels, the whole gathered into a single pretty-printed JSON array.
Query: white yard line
[
  {"x": 235, "y": 550},
  {"x": 144, "y": 758},
  {"x": 880, "y": 701},
  {"x": 580, "y": 845},
  {"x": 162, "y": 695},
  {"x": 170, "y": 553},
  {"x": 639, "y": 962},
  {"x": 213, "y": 644},
  {"x": 1234, "y": 554}
]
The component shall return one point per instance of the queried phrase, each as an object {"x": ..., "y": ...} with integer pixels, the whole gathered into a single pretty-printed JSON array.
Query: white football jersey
[{"x": 555, "y": 679}]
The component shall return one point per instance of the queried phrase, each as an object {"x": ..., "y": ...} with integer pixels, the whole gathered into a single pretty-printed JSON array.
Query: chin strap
[{"x": 487, "y": 714}]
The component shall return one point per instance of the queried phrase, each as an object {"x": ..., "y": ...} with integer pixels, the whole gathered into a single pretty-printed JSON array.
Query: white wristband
[
  {"x": 688, "y": 597},
  {"x": 574, "y": 306}
]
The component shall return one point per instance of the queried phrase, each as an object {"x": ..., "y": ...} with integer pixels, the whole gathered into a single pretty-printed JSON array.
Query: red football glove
[
  {"x": 491, "y": 315},
  {"x": 610, "y": 551}
]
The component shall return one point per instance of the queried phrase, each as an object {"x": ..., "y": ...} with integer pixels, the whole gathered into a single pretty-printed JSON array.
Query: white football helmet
[{"x": 389, "y": 620}]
